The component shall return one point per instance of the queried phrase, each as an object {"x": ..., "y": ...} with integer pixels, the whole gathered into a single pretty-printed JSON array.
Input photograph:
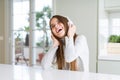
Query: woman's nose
[{"x": 56, "y": 25}]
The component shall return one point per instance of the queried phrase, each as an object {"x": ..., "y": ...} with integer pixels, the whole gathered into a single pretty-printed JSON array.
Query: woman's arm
[
  {"x": 48, "y": 58},
  {"x": 72, "y": 51}
]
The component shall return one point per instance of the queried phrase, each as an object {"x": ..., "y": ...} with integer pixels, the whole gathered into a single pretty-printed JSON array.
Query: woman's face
[{"x": 57, "y": 28}]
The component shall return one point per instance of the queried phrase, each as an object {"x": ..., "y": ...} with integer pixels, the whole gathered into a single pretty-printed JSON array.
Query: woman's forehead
[{"x": 54, "y": 19}]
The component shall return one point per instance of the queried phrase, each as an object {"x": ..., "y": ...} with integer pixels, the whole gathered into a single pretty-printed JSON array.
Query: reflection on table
[{"x": 12, "y": 72}]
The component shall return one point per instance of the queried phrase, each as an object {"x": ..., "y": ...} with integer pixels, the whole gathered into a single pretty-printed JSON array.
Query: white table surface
[{"x": 10, "y": 72}]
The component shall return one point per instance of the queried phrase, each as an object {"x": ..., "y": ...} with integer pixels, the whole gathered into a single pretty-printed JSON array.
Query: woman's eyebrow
[{"x": 51, "y": 24}]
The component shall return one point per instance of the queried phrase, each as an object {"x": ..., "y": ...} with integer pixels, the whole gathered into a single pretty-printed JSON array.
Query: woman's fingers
[{"x": 72, "y": 29}]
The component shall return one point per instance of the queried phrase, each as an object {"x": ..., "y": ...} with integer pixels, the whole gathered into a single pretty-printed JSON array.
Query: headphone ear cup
[{"x": 69, "y": 20}]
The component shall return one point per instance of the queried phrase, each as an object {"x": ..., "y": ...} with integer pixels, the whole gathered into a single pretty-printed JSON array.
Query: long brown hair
[{"x": 60, "y": 52}]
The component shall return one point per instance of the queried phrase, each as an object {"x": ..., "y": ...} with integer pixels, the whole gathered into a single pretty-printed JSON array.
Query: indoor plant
[
  {"x": 41, "y": 23},
  {"x": 113, "y": 44}
]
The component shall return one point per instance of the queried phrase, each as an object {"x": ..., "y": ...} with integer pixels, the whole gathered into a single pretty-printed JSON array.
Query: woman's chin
[{"x": 62, "y": 36}]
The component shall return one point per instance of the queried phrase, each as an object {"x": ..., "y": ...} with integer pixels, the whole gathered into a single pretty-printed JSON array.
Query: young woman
[{"x": 69, "y": 50}]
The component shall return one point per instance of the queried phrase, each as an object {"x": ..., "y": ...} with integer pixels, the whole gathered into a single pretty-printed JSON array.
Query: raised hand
[
  {"x": 55, "y": 41},
  {"x": 71, "y": 30}
]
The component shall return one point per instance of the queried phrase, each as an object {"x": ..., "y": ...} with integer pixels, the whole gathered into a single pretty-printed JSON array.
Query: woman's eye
[{"x": 52, "y": 26}]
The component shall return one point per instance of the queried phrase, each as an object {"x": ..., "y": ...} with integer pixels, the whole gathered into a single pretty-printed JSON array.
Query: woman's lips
[{"x": 59, "y": 30}]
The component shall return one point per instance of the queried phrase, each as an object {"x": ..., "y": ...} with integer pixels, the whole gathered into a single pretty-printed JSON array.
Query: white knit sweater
[{"x": 72, "y": 51}]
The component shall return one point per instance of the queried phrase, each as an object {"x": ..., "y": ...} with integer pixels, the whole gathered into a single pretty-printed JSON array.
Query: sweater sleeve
[
  {"x": 73, "y": 50},
  {"x": 48, "y": 58}
]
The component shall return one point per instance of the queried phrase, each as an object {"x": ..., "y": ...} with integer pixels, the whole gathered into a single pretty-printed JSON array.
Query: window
[
  {"x": 31, "y": 26},
  {"x": 109, "y": 24},
  {"x": 115, "y": 23}
]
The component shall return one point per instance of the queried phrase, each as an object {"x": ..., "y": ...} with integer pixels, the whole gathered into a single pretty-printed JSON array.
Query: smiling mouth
[{"x": 59, "y": 30}]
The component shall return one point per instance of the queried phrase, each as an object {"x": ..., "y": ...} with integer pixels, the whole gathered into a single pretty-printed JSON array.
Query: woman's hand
[
  {"x": 55, "y": 41},
  {"x": 71, "y": 30}
]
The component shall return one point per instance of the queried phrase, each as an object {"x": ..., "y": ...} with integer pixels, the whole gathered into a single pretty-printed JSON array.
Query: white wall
[
  {"x": 84, "y": 15},
  {"x": 109, "y": 66}
]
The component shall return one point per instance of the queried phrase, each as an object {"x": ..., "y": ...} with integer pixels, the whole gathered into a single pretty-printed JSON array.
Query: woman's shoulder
[{"x": 81, "y": 36}]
